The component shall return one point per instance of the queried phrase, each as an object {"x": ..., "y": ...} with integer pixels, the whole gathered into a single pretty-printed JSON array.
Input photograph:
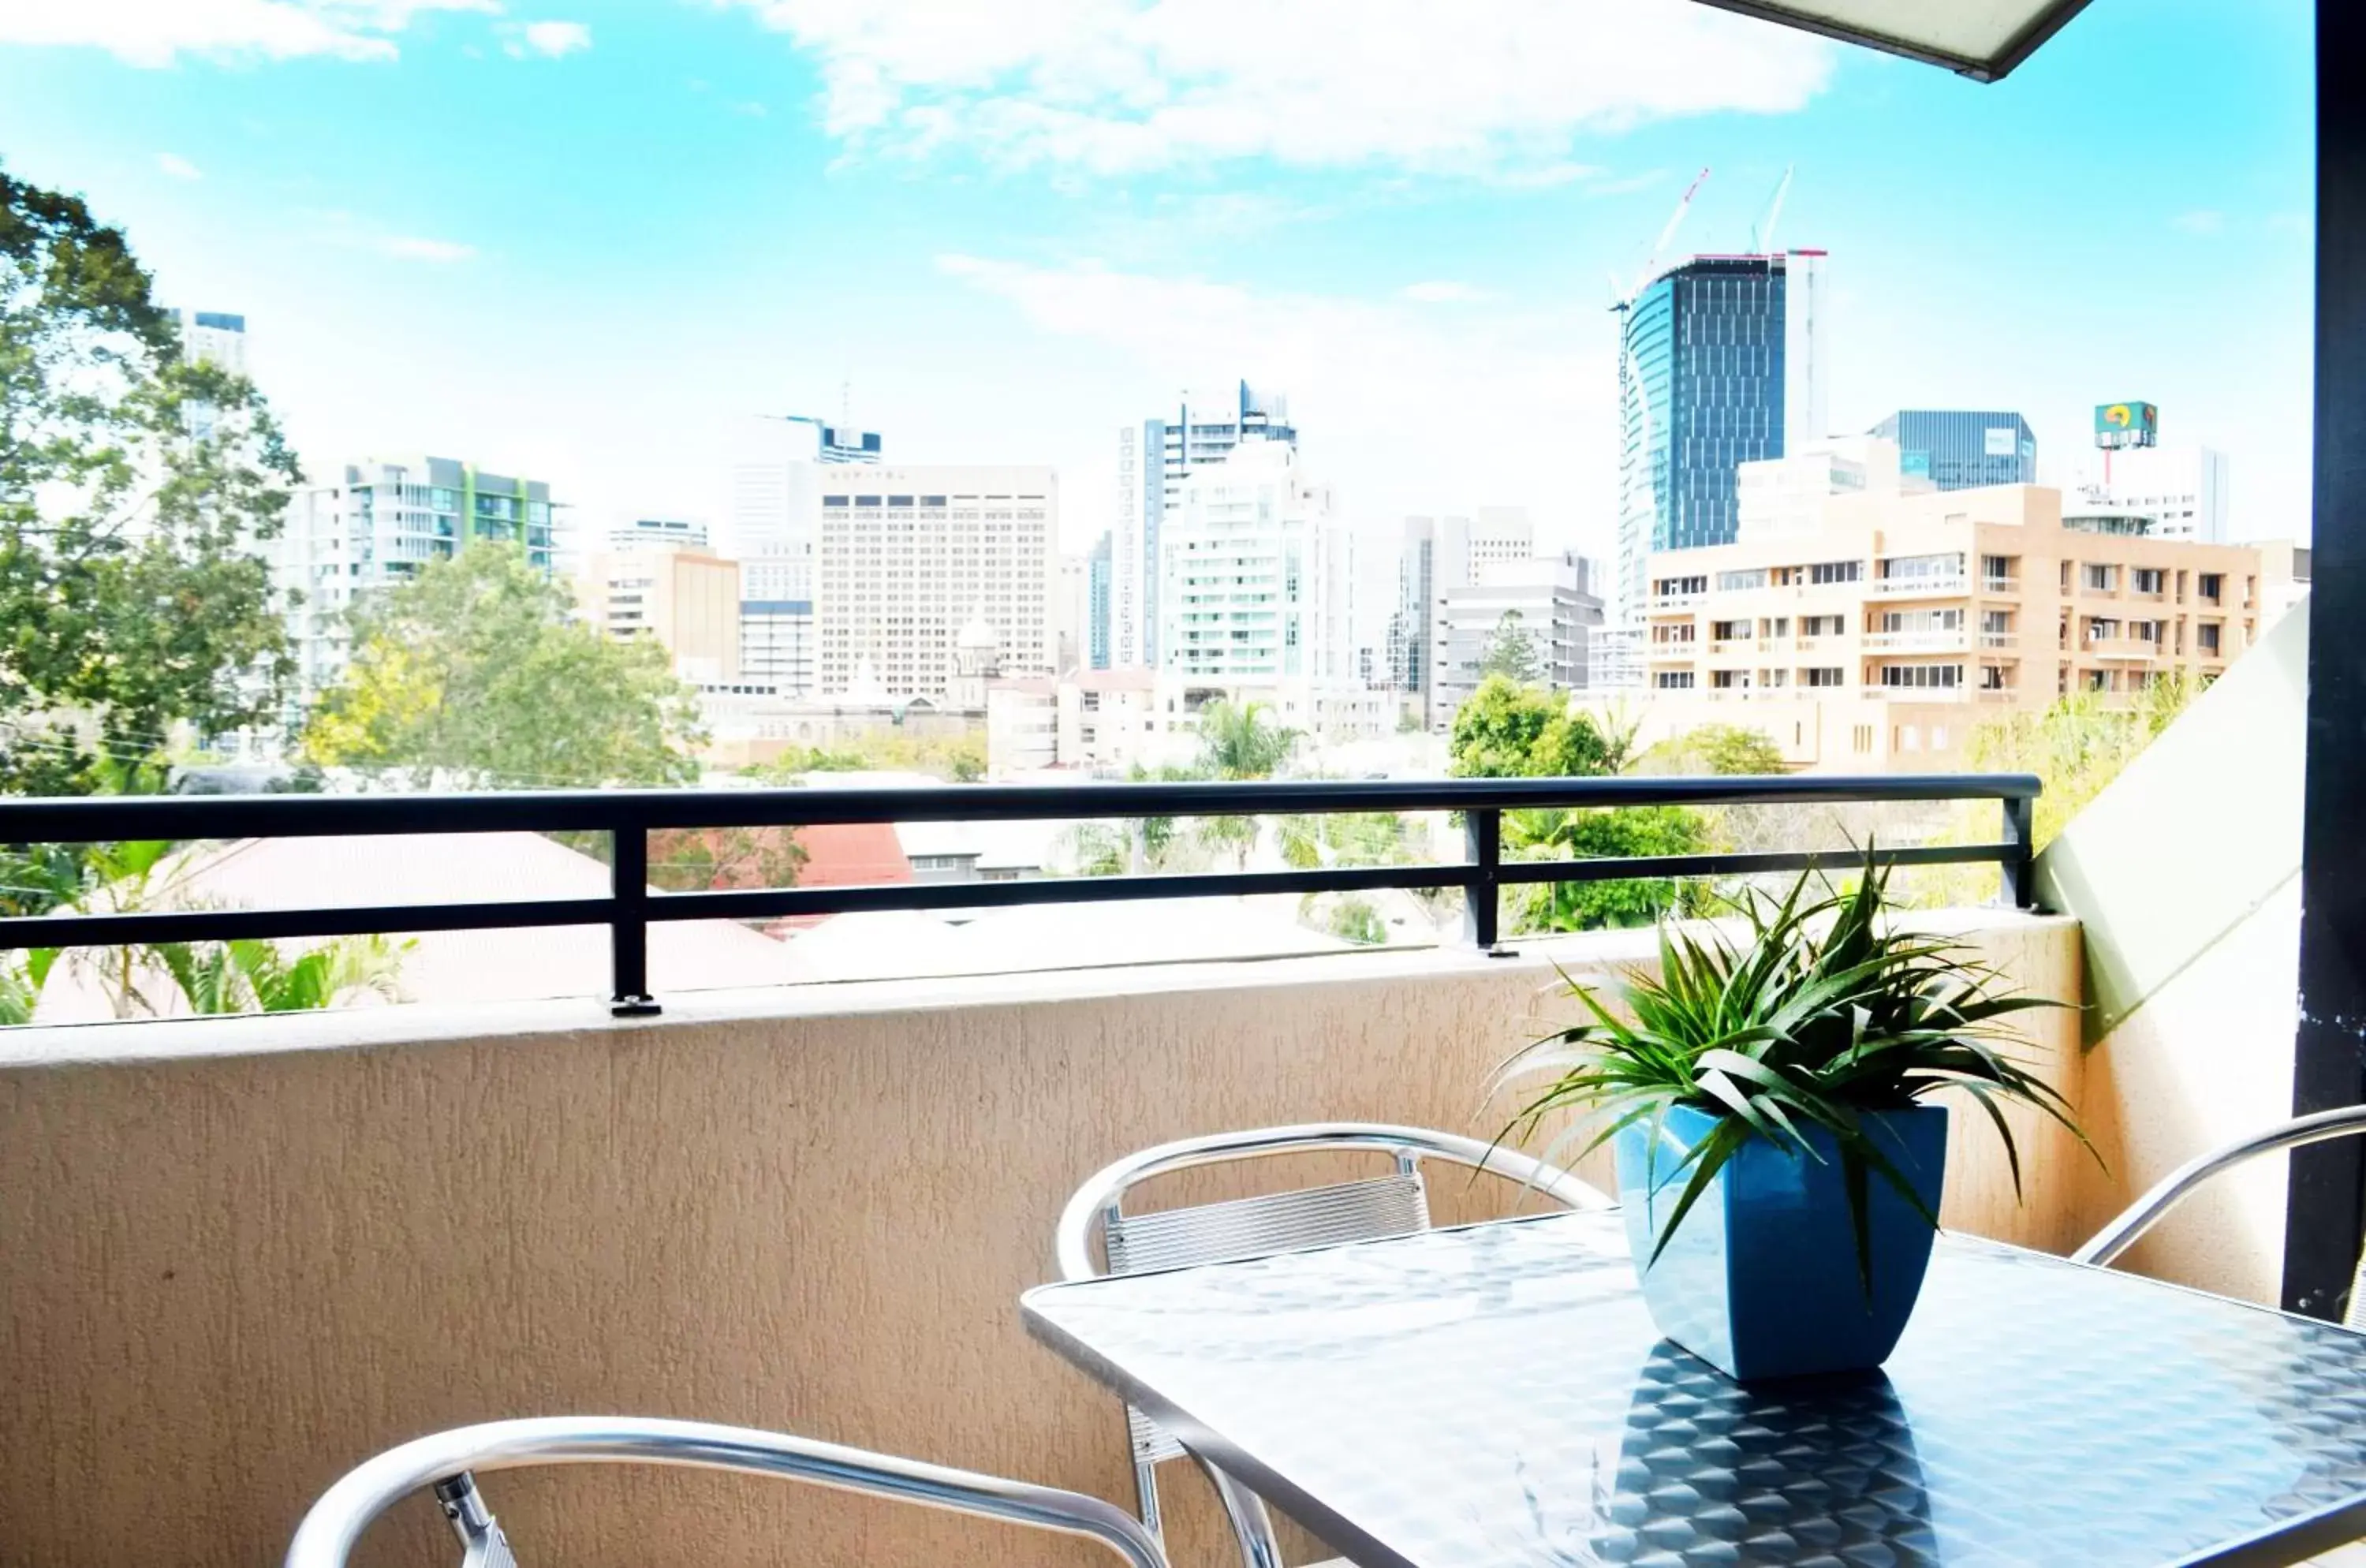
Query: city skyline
[{"x": 1005, "y": 252}]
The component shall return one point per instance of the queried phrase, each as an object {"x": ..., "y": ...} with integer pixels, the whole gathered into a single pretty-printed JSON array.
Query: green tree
[
  {"x": 1242, "y": 742},
  {"x": 476, "y": 672},
  {"x": 135, "y": 485},
  {"x": 253, "y": 976},
  {"x": 1509, "y": 652},
  {"x": 1727, "y": 750},
  {"x": 1509, "y": 731}
]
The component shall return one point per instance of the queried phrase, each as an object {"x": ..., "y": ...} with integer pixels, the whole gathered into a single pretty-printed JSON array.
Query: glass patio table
[{"x": 1496, "y": 1395}]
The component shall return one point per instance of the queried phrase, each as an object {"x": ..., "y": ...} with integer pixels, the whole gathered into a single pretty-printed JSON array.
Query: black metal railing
[{"x": 628, "y": 817}]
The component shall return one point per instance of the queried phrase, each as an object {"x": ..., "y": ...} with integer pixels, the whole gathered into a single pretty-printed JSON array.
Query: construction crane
[
  {"x": 1773, "y": 215},
  {"x": 1660, "y": 245}
]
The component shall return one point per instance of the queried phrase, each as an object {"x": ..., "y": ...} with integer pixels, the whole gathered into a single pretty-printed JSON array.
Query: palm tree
[
  {"x": 255, "y": 977},
  {"x": 1241, "y": 743}
]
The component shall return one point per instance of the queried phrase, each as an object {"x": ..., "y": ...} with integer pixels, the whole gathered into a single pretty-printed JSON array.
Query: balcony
[
  {"x": 2000, "y": 585},
  {"x": 1925, "y": 587},
  {"x": 2130, "y": 648},
  {"x": 1999, "y": 639},
  {"x": 1915, "y": 642},
  {"x": 290, "y": 1240}
]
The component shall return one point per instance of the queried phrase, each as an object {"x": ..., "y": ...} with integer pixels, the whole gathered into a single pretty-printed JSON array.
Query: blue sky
[{"x": 579, "y": 239}]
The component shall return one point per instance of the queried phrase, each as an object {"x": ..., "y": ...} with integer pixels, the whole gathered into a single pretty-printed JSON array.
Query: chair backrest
[
  {"x": 1396, "y": 1203},
  {"x": 1393, "y": 1205},
  {"x": 2178, "y": 1185},
  {"x": 448, "y": 1461}
]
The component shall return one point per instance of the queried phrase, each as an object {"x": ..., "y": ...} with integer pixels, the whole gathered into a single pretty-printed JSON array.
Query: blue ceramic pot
[{"x": 1761, "y": 1279}]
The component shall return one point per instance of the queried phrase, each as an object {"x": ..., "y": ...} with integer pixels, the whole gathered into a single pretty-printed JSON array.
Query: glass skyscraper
[
  {"x": 1963, "y": 449},
  {"x": 1720, "y": 364}
]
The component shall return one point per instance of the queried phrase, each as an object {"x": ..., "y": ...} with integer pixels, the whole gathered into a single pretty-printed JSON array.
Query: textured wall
[{"x": 233, "y": 1267}]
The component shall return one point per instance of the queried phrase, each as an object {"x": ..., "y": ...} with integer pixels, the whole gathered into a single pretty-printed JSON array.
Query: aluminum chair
[
  {"x": 2173, "y": 1189},
  {"x": 446, "y": 1460},
  {"x": 1393, "y": 1205}
]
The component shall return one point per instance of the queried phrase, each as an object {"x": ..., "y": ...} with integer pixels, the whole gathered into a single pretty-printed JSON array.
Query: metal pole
[
  {"x": 628, "y": 926},
  {"x": 2326, "y": 1195},
  {"x": 1482, "y": 833},
  {"x": 2018, "y": 889}
]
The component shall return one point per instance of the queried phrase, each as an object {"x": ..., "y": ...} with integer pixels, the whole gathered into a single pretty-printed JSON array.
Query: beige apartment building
[
  {"x": 1880, "y": 639},
  {"x": 686, "y": 600}
]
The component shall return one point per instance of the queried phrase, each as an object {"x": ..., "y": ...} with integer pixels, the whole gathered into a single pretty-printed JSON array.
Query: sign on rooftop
[{"x": 2126, "y": 425}]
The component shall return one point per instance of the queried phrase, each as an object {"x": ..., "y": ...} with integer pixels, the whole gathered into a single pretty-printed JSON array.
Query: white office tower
[
  {"x": 1783, "y": 498},
  {"x": 1154, "y": 459},
  {"x": 1551, "y": 602},
  {"x": 2187, "y": 491},
  {"x": 908, "y": 556},
  {"x": 1252, "y": 563},
  {"x": 777, "y": 641},
  {"x": 214, "y": 337},
  {"x": 1071, "y": 610}
]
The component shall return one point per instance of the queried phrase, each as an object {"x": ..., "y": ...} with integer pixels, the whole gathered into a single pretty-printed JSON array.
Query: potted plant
[{"x": 1778, "y": 1159}]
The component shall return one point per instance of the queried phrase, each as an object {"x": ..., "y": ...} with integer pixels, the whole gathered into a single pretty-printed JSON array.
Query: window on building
[
  {"x": 1680, "y": 587},
  {"x": 1836, "y": 571},
  {"x": 1996, "y": 622},
  {"x": 1728, "y": 680},
  {"x": 2210, "y": 586},
  {"x": 1672, "y": 679},
  {"x": 2149, "y": 579},
  {"x": 1923, "y": 620},
  {"x": 1727, "y": 631},
  {"x": 1923, "y": 568},
  {"x": 2099, "y": 578},
  {"x": 1822, "y": 625},
  {"x": 1946, "y": 677},
  {"x": 1821, "y": 675},
  {"x": 2000, "y": 570},
  {"x": 1993, "y": 678},
  {"x": 2205, "y": 637},
  {"x": 1728, "y": 582},
  {"x": 2098, "y": 679}
]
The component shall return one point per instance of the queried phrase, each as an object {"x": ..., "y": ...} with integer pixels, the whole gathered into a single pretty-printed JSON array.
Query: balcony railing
[
  {"x": 1897, "y": 585},
  {"x": 1915, "y": 642},
  {"x": 2000, "y": 586},
  {"x": 1999, "y": 639},
  {"x": 628, "y": 817}
]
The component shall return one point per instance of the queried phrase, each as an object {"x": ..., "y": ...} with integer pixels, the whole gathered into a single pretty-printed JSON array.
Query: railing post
[
  {"x": 1483, "y": 832},
  {"x": 2019, "y": 888},
  {"x": 629, "y": 925}
]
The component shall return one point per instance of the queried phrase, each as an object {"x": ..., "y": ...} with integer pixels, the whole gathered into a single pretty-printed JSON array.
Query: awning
[{"x": 1981, "y": 39}]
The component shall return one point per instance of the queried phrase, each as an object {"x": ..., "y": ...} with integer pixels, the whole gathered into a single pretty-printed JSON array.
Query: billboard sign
[
  {"x": 2001, "y": 441},
  {"x": 2126, "y": 425}
]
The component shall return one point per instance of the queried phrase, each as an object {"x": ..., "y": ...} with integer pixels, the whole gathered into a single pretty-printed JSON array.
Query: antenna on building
[{"x": 1773, "y": 215}]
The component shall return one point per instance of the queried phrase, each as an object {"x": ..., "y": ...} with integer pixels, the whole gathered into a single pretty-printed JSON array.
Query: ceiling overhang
[{"x": 1980, "y": 39}]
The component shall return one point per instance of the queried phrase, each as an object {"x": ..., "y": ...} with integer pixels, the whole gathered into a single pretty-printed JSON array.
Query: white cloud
[
  {"x": 552, "y": 41},
  {"x": 1441, "y": 291},
  {"x": 1495, "y": 87},
  {"x": 158, "y": 32},
  {"x": 1371, "y": 383},
  {"x": 180, "y": 168},
  {"x": 2201, "y": 221}
]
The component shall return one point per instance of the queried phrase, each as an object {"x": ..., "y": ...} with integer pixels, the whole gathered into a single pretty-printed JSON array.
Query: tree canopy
[
  {"x": 475, "y": 672},
  {"x": 1509, "y": 731},
  {"x": 136, "y": 486},
  {"x": 1510, "y": 651},
  {"x": 1727, "y": 750}
]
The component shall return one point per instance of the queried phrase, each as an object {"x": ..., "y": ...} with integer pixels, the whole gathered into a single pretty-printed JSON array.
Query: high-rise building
[
  {"x": 1071, "y": 612},
  {"x": 1154, "y": 459},
  {"x": 1883, "y": 638},
  {"x": 1250, "y": 573},
  {"x": 686, "y": 600},
  {"x": 777, "y": 645},
  {"x": 376, "y": 526},
  {"x": 2186, "y": 492},
  {"x": 1409, "y": 626},
  {"x": 214, "y": 337},
  {"x": 658, "y": 534},
  {"x": 1552, "y": 603},
  {"x": 906, "y": 556},
  {"x": 1097, "y": 604},
  {"x": 1721, "y": 363},
  {"x": 1963, "y": 449}
]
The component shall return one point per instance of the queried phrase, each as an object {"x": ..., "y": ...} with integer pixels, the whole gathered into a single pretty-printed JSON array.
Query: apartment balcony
[
  {"x": 1916, "y": 642},
  {"x": 1665, "y": 604},
  {"x": 1999, "y": 639},
  {"x": 1918, "y": 587},
  {"x": 2009, "y": 585},
  {"x": 2133, "y": 649},
  {"x": 288, "y": 1241}
]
